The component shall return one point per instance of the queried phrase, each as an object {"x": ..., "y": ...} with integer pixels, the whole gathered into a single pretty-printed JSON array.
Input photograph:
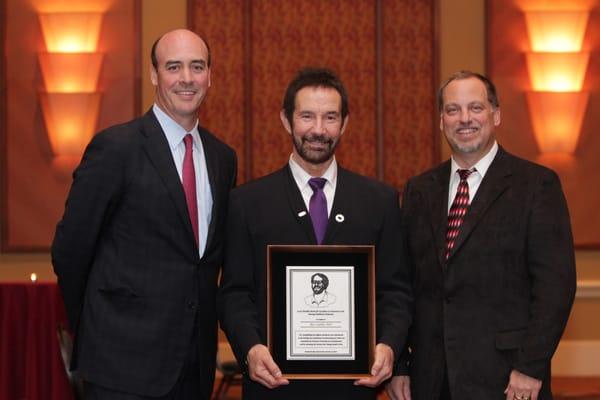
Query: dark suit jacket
[
  {"x": 128, "y": 265},
  {"x": 503, "y": 299},
  {"x": 265, "y": 212}
]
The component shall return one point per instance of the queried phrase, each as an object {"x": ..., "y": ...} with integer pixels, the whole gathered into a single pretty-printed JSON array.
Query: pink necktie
[
  {"x": 458, "y": 209},
  {"x": 189, "y": 183}
]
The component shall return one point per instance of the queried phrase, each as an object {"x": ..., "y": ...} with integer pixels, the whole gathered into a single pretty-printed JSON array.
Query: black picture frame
[{"x": 361, "y": 259}]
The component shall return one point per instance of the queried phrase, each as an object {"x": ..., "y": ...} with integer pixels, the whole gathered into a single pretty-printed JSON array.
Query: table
[{"x": 31, "y": 367}]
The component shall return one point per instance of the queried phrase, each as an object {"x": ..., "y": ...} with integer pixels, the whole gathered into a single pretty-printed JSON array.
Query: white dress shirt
[
  {"x": 301, "y": 177},
  {"x": 474, "y": 180},
  {"x": 175, "y": 134}
]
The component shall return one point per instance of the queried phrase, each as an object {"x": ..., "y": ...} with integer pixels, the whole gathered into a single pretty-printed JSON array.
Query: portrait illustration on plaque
[
  {"x": 320, "y": 316},
  {"x": 320, "y": 296}
]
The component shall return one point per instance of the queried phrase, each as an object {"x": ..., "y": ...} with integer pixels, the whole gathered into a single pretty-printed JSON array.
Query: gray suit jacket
[
  {"x": 265, "y": 212},
  {"x": 128, "y": 265},
  {"x": 502, "y": 300}
]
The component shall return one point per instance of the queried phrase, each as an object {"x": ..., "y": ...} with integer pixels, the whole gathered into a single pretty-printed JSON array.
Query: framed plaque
[{"x": 321, "y": 310}]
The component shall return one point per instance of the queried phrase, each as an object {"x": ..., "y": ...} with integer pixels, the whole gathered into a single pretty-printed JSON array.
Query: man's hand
[
  {"x": 382, "y": 366},
  {"x": 262, "y": 368},
  {"x": 522, "y": 387},
  {"x": 398, "y": 388}
]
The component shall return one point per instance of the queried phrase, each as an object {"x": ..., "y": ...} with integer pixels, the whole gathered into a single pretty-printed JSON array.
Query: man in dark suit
[
  {"x": 492, "y": 262},
  {"x": 281, "y": 209},
  {"x": 138, "y": 250}
]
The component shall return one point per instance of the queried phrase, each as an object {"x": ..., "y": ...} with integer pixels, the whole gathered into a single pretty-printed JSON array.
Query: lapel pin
[
  {"x": 339, "y": 217},
  {"x": 302, "y": 213}
]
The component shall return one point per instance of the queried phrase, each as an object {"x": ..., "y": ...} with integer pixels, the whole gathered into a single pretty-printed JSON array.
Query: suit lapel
[
  {"x": 296, "y": 203},
  {"x": 158, "y": 151},
  {"x": 212, "y": 166},
  {"x": 494, "y": 183},
  {"x": 437, "y": 197},
  {"x": 342, "y": 202}
]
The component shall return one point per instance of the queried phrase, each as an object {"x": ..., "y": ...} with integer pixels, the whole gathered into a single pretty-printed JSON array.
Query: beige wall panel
[{"x": 158, "y": 17}]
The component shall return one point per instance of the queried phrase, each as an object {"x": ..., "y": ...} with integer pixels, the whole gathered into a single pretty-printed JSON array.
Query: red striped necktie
[{"x": 458, "y": 209}]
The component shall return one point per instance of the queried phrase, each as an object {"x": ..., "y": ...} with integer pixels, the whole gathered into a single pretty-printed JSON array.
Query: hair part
[
  {"x": 154, "y": 60},
  {"x": 313, "y": 77},
  {"x": 492, "y": 96}
]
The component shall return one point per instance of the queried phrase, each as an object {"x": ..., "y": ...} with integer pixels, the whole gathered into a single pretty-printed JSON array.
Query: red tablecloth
[{"x": 31, "y": 367}]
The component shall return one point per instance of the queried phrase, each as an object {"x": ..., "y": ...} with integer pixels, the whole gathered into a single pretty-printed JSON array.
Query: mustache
[
  {"x": 317, "y": 139},
  {"x": 469, "y": 124},
  {"x": 186, "y": 85}
]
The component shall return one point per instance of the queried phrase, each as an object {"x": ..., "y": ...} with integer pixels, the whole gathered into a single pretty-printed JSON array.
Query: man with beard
[
  {"x": 492, "y": 257},
  {"x": 283, "y": 208}
]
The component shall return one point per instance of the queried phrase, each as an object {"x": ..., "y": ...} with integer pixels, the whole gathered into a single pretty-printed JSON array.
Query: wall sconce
[
  {"x": 70, "y": 69},
  {"x": 71, "y": 32},
  {"x": 557, "y": 69}
]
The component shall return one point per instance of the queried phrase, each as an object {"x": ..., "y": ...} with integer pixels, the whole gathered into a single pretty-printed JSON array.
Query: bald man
[{"x": 138, "y": 250}]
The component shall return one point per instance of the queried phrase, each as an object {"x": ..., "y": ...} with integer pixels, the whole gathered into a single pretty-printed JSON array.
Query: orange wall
[
  {"x": 34, "y": 189},
  {"x": 462, "y": 43},
  {"x": 508, "y": 69},
  {"x": 156, "y": 20}
]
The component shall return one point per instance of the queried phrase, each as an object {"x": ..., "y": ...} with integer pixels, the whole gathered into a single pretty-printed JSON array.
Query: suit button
[
  {"x": 448, "y": 299},
  {"x": 191, "y": 305}
]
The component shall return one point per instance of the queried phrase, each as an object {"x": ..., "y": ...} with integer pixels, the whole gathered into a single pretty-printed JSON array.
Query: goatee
[{"x": 314, "y": 156}]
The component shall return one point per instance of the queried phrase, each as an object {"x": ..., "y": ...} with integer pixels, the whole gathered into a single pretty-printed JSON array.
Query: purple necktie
[
  {"x": 189, "y": 183},
  {"x": 318, "y": 208}
]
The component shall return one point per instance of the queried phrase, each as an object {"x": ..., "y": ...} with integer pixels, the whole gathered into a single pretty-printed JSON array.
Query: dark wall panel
[{"x": 382, "y": 50}]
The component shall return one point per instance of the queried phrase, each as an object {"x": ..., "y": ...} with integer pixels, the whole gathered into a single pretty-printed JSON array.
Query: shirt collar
[
  {"x": 173, "y": 131},
  {"x": 301, "y": 176},
  {"x": 482, "y": 165}
]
